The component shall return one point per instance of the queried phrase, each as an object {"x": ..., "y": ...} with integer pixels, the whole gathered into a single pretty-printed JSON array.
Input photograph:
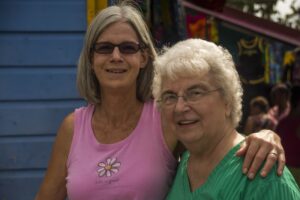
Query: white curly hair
[{"x": 197, "y": 56}]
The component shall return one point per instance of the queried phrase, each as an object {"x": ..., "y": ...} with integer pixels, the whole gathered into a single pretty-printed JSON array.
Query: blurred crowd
[{"x": 281, "y": 113}]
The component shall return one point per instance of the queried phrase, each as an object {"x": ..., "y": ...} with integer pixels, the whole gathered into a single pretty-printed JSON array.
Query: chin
[{"x": 189, "y": 137}]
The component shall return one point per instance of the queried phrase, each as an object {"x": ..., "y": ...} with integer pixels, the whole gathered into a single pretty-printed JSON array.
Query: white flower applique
[{"x": 108, "y": 168}]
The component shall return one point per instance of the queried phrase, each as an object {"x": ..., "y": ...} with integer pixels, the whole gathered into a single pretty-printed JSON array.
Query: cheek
[
  {"x": 167, "y": 119},
  {"x": 136, "y": 63},
  {"x": 167, "y": 122},
  {"x": 137, "y": 60},
  {"x": 167, "y": 115},
  {"x": 214, "y": 113},
  {"x": 97, "y": 62}
]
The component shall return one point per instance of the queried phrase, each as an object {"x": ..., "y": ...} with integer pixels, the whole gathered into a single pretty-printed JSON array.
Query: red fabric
[
  {"x": 196, "y": 26},
  {"x": 289, "y": 131}
]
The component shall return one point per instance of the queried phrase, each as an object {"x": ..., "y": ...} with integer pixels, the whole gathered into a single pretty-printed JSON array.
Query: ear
[{"x": 144, "y": 58}]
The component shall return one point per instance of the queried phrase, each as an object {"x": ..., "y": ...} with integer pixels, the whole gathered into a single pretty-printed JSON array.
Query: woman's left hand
[{"x": 261, "y": 146}]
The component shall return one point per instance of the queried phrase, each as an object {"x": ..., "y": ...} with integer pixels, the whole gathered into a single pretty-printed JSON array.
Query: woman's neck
[
  {"x": 201, "y": 163},
  {"x": 118, "y": 107},
  {"x": 115, "y": 118},
  {"x": 216, "y": 147}
]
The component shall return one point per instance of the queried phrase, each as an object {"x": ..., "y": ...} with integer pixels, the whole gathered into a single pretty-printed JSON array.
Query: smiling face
[
  {"x": 118, "y": 70},
  {"x": 195, "y": 121}
]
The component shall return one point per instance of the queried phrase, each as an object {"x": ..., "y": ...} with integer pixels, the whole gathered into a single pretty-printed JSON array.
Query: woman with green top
[{"x": 198, "y": 91}]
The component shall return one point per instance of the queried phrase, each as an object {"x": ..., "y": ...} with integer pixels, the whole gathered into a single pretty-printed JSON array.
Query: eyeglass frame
[
  {"x": 186, "y": 98},
  {"x": 138, "y": 47}
]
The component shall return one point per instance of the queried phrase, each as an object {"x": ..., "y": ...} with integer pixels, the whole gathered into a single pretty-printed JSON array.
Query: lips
[
  {"x": 186, "y": 122},
  {"x": 116, "y": 71}
]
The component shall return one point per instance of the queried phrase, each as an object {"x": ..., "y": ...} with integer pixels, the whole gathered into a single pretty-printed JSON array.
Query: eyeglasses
[
  {"x": 124, "y": 47},
  {"x": 190, "y": 96}
]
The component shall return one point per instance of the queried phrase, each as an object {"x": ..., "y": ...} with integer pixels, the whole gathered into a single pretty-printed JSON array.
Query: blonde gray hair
[
  {"x": 125, "y": 11},
  {"x": 197, "y": 56}
]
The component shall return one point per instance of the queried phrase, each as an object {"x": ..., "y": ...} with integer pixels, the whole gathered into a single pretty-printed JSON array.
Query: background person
[
  {"x": 280, "y": 101},
  {"x": 115, "y": 148},
  {"x": 259, "y": 118},
  {"x": 199, "y": 93}
]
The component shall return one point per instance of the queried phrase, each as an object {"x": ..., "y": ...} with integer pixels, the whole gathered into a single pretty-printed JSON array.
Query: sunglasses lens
[
  {"x": 104, "y": 48},
  {"x": 129, "y": 47},
  {"x": 108, "y": 48}
]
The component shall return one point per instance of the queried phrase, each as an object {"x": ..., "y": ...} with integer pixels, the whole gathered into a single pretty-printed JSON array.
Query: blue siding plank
[
  {"x": 37, "y": 118},
  {"x": 20, "y": 185},
  {"x": 40, "y": 49},
  {"x": 40, "y": 43},
  {"x": 42, "y": 15},
  {"x": 25, "y": 153},
  {"x": 37, "y": 84}
]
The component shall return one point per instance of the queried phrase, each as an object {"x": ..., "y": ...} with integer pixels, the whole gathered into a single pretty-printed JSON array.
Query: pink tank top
[{"x": 139, "y": 167}]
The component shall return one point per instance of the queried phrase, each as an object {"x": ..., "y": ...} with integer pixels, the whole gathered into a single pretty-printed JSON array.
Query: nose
[
  {"x": 116, "y": 54},
  {"x": 181, "y": 105}
]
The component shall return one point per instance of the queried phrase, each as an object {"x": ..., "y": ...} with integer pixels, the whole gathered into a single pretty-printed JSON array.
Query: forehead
[
  {"x": 182, "y": 83},
  {"x": 118, "y": 32}
]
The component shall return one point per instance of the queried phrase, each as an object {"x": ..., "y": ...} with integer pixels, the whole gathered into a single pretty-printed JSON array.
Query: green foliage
[{"x": 267, "y": 9}]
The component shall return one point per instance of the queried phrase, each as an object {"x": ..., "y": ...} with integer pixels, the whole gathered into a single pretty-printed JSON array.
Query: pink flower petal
[
  {"x": 116, "y": 165},
  {"x": 108, "y": 173},
  {"x": 101, "y": 164},
  {"x": 102, "y": 173}
]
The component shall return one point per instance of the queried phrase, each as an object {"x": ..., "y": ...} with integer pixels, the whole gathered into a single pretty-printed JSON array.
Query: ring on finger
[{"x": 273, "y": 153}]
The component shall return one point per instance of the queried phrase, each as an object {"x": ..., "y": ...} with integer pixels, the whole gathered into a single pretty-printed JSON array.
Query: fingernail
[
  {"x": 263, "y": 173},
  {"x": 245, "y": 170},
  {"x": 251, "y": 175}
]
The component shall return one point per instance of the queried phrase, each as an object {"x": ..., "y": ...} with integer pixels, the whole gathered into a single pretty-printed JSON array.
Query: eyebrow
[
  {"x": 109, "y": 42},
  {"x": 196, "y": 86},
  {"x": 200, "y": 86},
  {"x": 168, "y": 92}
]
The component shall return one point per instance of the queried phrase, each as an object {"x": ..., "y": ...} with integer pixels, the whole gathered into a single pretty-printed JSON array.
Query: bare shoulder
[
  {"x": 54, "y": 183},
  {"x": 65, "y": 133},
  {"x": 67, "y": 125}
]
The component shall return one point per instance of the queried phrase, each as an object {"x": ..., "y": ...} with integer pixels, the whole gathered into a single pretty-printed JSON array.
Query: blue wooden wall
[{"x": 40, "y": 42}]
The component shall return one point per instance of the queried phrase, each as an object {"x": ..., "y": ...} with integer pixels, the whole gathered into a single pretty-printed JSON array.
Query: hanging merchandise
[
  {"x": 196, "y": 26},
  {"x": 296, "y": 71},
  {"x": 165, "y": 19},
  {"x": 160, "y": 20},
  {"x": 252, "y": 61},
  {"x": 157, "y": 24},
  {"x": 275, "y": 62},
  {"x": 213, "y": 33},
  {"x": 291, "y": 67},
  {"x": 93, "y": 7},
  {"x": 145, "y": 6},
  {"x": 288, "y": 64},
  {"x": 202, "y": 26},
  {"x": 179, "y": 19}
]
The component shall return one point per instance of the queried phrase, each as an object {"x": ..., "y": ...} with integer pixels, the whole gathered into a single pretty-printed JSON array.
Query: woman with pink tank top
[{"x": 115, "y": 147}]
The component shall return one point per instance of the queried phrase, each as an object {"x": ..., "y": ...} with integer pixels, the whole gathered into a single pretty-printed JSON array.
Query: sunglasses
[{"x": 124, "y": 47}]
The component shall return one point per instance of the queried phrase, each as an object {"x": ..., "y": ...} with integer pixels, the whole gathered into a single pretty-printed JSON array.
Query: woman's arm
[
  {"x": 54, "y": 184},
  {"x": 261, "y": 146}
]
